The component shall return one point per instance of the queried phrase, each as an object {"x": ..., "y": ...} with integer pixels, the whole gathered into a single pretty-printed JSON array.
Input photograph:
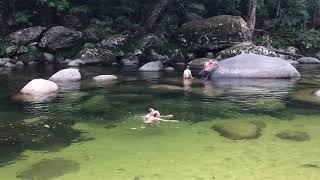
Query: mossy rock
[
  {"x": 94, "y": 104},
  {"x": 131, "y": 96},
  {"x": 166, "y": 87},
  {"x": 294, "y": 135},
  {"x": 306, "y": 96},
  {"x": 238, "y": 130},
  {"x": 259, "y": 124},
  {"x": 75, "y": 96}
]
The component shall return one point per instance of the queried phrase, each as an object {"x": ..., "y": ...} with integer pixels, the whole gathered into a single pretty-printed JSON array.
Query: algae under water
[{"x": 93, "y": 131}]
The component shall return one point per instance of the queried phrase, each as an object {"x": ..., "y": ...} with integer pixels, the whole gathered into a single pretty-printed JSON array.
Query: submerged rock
[
  {"x": 152, "y": 66},
  {"x": 264, "y": 104},
  {"x": 166, "y": 87},
  {"x": 255, "y": 66},
  {"x": 94, "y": 104},
  {"x": 238, "y": 130},
  {"x": 259, "y": 124},
  {"x": 214, "y": 33},
  {"x": 294, "y": 135},
  {"x": 66, "y": 75},
  {"x": 105, "y": 78},
  {"x": 49, "y": 169},
  {"x": 39, "y": 87},
  {"x": 306, "y": 96}
]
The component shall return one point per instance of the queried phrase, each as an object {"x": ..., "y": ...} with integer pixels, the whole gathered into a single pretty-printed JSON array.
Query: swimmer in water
[{"x": 154, "y": 117}]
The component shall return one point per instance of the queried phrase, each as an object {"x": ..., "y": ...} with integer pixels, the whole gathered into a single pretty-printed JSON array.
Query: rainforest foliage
[{"x": 281, "y": 19}]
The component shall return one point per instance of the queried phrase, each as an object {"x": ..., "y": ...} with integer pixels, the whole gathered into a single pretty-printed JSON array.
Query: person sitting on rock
[
  {"x": 187, "y": 73},
  {"x": 154, "y": 117},
  {"x": 208, "y": 68}
]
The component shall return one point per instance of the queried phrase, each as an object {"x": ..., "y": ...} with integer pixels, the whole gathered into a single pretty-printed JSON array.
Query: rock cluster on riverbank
[{"x": 217, "y": 37}]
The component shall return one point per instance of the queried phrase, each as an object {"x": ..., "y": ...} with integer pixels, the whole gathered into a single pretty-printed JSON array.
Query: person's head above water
[
  {"x": 151, "y": 109},
  {"x": 188, "y": 67}
]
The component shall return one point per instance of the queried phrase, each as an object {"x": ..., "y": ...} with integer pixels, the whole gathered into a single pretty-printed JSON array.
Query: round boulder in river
[
  {"x": 38, "y": 87},
  {"x": 238, "y": 130},
  {"x": 294, "y": 135},
  {"x": 105, "y": 78},
  {"x": 152, "y": 66},
  {"x": 66, "y": 75},
  {"x": 308, "y": 60},
  {"x": 317, "y": 93},
  {"x": 255, "y": 66}
]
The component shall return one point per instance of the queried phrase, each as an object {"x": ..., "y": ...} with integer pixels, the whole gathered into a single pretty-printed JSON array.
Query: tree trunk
[
  {"x": 157, "y": 11},
  {"x": 314, "y": 12},
  {"x": 252, "y": 6},
  {"x": 7, "y": 12},
  {"x": 277, "y": 15}
]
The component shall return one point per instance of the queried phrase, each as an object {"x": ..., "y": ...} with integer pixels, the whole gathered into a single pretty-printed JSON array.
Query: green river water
[{"x": 93, "y": 131}]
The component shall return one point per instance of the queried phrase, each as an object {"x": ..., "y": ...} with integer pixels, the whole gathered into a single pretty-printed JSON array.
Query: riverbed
[{"x": 101, "y": 135}]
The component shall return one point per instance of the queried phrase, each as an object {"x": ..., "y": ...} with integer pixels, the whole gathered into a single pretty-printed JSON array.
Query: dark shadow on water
[{"x": 49, "y": 169}]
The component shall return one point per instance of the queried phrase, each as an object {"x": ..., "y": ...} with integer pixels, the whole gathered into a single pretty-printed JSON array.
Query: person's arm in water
[
  {"x": 165, "y": 120},
  {"x": 167, "y": 116}
]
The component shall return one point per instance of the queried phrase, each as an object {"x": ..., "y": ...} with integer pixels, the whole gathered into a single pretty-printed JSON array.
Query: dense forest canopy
[{"x": 282, "y": 19}]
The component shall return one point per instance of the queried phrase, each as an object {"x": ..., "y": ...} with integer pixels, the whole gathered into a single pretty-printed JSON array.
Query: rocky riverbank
[{"x": 217, "y": 37}]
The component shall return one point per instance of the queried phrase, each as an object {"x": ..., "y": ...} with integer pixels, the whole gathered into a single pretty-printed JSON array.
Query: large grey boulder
[
  {"x": 48, "y": 57},
  {"x": 255, "y": 66},
  {"x": 105, "y": 78},
  {"x": 38, "y": 87},
  {"x": 66, "y": 75},
  {"x": 96, "y": 56},
  {"x": 26, "y": 36},
  {"x": 152, "y": 66},
  {"x": 60, "y": 37},
  {"x": 9, "y": 65},
  {"x": 76, "y": 63},
  {"x": 214, "y": 33},
  {"x": 308, "y": 60},
  {"x": 245, "y": 48}
]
